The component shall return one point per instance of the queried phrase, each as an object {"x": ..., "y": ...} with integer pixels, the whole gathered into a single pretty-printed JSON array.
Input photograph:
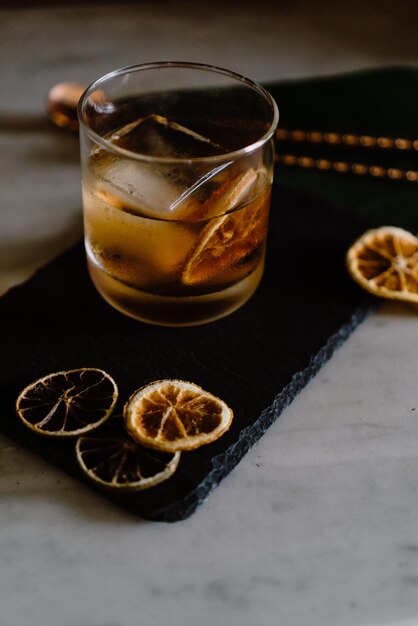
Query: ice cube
[
  {"x": 155, "y": 135},
  {"x": 155, "y": 189},
  {"x": 133, "y": 185}
]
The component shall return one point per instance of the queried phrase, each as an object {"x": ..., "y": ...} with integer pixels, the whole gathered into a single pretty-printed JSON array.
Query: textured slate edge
[{"x": 224, "y": 463}]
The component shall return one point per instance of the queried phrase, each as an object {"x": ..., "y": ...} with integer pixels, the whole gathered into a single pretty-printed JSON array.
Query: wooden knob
[{"x": 62, "y": 104}]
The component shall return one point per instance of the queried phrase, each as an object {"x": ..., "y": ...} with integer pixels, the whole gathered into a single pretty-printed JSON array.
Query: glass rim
[{"x": 218, "y": 158}]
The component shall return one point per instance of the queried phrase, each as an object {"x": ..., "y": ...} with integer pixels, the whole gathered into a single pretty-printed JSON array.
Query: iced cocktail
[{"x": 177, "y": 164}]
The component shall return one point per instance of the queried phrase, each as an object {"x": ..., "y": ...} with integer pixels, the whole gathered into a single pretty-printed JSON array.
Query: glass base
[{"x": 170, "y": 310}]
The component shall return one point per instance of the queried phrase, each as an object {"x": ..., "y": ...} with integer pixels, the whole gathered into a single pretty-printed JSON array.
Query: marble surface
[{"x": 318, "y": 524}]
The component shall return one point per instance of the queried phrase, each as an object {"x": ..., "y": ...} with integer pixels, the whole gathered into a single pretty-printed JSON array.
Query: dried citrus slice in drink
[
  {"x": 66, "y": 404},
  {"x": 232, "y": 193},
  {"x": 384, "y": 261},
  {"x": 220, "y": 194},
  {"x": 111, "y": 459},
  {"x": 227, "y": 241},
  {"x": 174, "y": 415}
]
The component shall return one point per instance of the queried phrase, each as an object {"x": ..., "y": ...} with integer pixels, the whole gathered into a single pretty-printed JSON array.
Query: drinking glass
[{"x": 177, "y": 167}]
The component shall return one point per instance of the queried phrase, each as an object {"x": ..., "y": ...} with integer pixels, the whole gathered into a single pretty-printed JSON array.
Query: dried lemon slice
[
  {"x": 384, "y": 261},
  {"x": 66, "y": 404},
  {"x": 226, "y": 241},
  {"x": 231, "y": 193},
  {"x": 111, "y": 459},
  {"x": 219, "y": 194},
  {"x": 174, "y": 415}
]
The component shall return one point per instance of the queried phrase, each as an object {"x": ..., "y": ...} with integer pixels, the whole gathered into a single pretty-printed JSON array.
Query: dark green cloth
[{"x": 379, "y": 102}]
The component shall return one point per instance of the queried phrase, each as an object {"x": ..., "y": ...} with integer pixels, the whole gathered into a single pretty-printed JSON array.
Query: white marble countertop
[{"x": 318, "y": 525}]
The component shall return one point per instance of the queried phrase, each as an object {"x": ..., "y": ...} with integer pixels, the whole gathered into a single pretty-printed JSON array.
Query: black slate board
[{"x": 257, "y": 359}]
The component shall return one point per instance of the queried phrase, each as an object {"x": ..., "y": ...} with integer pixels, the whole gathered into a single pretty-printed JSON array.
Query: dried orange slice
[
  {"x": 174, "y": 415},
  {"x": 384, "y": 261},
  {"x": 226, "y": 241},
  {"x": 111, "y": 459},
  {"x": 233, "y": 193},
  {"x": 216, "y": 195},
  {"x": 66, "y": 404}
]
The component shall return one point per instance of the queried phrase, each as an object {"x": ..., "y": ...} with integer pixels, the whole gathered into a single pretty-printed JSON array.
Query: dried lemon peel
[
  {"x": 112, "y": 460},
  {"x": 223, "y": 192},
  {"x": 67, "y": 403},
  {"x": 384, "y": 261},
  {"x": 232, "y": 193},
  {"x": 226, "y": 241},
  {"x": 175, "y": 415}
]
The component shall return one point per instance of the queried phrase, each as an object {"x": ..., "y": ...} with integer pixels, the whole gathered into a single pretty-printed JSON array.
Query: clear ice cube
[
  {"x": 170, "y": 191},
  {"x": 155, "y": 135}
]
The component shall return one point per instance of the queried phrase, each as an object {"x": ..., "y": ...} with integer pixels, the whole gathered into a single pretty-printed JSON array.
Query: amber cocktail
[{"x": 177, "y": 164}]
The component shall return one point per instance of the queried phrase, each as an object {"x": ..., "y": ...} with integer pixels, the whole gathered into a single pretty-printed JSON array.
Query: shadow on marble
[
  {"x": 18, "y": 259},
  {"x": 27, "y": 251},
  {"x": 76, "y": 502},
  {"x": 26, "y": 480},
  {"x": 396, "y": 309}
]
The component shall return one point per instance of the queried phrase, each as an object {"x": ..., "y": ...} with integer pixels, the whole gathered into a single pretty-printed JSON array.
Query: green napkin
[{"x": 379, "y": 102}]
